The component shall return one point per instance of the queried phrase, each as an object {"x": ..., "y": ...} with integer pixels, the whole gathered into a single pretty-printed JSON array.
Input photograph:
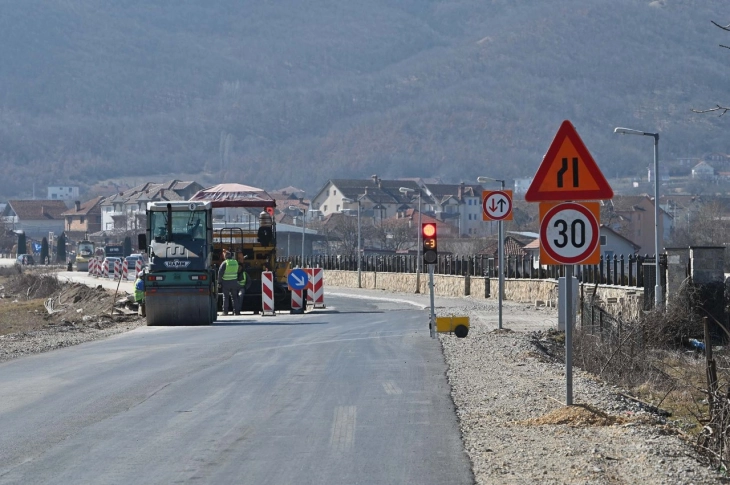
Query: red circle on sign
[
  {"x": 546, "y": 243},
  {"x": 491, "y": 214}
]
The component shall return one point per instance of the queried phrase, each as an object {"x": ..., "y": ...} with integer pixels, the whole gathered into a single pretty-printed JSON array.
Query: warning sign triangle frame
[{"x": 535, "y": 193}]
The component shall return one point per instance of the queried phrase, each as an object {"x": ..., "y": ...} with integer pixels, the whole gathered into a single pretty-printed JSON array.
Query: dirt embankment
[{"x": 39, "y": 313}]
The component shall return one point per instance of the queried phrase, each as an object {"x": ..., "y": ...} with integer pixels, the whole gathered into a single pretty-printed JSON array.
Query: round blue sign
[{"x": 298, "y": 279}]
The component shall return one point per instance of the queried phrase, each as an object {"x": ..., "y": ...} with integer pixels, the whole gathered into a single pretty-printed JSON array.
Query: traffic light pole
[{"x": 432, "y": 323}]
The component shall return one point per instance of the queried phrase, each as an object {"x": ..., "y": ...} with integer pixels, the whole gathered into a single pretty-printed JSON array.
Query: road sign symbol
[
  {"x": 568, "y": 171},
  {"x": 297, "y": 279},
  {"x": 497, "y": 205},
  {"x": 570, "y": 233}
]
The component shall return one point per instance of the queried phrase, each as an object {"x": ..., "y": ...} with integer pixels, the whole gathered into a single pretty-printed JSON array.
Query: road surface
[{"x": 355, "y": 393}]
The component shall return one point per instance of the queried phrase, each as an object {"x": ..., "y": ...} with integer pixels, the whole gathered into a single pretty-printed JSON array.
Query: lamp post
[
  {"x": 657, "y": 236},
  {"x": 406, "y": 190},
  {"x": 359, "y": 257},
  {"x": 482, "y": 180},
  {"x": 304, "y": 223}
]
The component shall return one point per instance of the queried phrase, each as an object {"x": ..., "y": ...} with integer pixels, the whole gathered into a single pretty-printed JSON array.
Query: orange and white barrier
[
  {"x": 117, "y": 269},
  {"x": 125, "y": 269},
  {"x": 267, "y": 293},
  {"x": 105, "y": 269},
  {"x": 297, "y": 300},
  {"x": 315, "y": 287},
  {"x": 137, "y": 267}
]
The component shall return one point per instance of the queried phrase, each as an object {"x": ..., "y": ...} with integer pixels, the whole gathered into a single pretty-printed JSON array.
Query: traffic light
[{"x": 430, "y": 243}]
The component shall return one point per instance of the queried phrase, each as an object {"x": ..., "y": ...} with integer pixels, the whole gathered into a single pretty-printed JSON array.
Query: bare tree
[{"x": 720, "y": 108}]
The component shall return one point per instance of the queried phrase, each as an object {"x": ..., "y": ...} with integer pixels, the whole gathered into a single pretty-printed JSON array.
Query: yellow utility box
[{"x": 458, "y": 325}]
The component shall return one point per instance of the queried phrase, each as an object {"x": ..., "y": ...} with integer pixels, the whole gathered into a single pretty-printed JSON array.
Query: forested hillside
[{"x": 292, "y": 92}]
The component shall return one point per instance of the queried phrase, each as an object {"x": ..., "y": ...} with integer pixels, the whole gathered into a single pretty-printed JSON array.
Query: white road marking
[
  {"x": 391, "y": 388},
  {"x": 343, "y": 429}
]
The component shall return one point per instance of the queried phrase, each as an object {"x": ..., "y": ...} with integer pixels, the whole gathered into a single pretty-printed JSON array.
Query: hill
[{"x": 280, "y": 93}]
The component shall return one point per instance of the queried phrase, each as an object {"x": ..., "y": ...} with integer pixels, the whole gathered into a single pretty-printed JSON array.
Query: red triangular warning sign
[{"x": 568, "y": 172}]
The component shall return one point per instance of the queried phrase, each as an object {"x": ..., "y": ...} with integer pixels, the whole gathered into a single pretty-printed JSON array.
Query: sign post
[
  {"x": 569, "y": 231},
  {"x": 497, "y": 206}
]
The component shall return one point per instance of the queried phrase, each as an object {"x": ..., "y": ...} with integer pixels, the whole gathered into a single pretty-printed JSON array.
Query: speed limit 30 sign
[{"x": 570, "y": 233}]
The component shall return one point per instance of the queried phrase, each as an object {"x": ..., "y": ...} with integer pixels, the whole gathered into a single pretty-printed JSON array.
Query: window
[
  {"x": 603, "y": 240},
  {"x": 334, "y": 192},
  {"x": 82, "y": 219},
  {"x": 327, "y": 194},
  {"x": 324, "y": 208},
  {"x": 338, "y": 208}
]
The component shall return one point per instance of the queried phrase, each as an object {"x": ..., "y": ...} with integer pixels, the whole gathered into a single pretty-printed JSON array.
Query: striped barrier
[
  {"x": 105, "y": 269},
  {"x": 97, "y": 267},
  {"x": 90, "y": 268},
  {"x": 125, "y": 269},
  {"x": 137, "y": 267},
  {"x": 117, "y": 269},
  {"x": 267, "y": 293},
  {"x": 297, "y": 301},
  {"x": 315, "y": 287}
]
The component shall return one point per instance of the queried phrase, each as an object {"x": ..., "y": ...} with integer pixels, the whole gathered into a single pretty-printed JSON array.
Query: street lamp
[
  {"x": 482, "y": 180},
  {"x": 657, "y": 236},
  {"x": 406, "y": 191},
  {"x": 304, "y": 223},
  {"x": 359, "y": 271}
]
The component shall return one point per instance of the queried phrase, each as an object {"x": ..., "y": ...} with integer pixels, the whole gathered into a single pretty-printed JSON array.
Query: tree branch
[
  {"x": 725, "y": 27},
  {"x": 718, "y": 108}
]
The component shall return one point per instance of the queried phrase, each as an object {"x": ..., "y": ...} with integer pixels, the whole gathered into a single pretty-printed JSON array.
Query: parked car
[
  {"x": 132, "y": 261},
  {"x": 24, "y": 259},
  {"x": 110, "y": 260}
]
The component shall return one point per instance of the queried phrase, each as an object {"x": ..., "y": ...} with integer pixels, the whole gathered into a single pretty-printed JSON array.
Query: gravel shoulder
[{"x": 510, "y": 403}]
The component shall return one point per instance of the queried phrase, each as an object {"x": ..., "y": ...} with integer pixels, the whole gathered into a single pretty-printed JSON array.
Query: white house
[{"x": 63, "y": 193}]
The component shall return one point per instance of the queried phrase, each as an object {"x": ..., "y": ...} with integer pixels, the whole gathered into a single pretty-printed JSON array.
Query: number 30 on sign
[{"x": 570, "y": 233}]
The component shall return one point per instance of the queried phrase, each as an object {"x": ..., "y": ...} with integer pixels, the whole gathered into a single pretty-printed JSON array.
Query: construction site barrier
[
  {"x": 297, "y": 300},
  {"x": 267, "y": 293},
  {"x": 117, "y": 269},
  {"x": 315, "y": 287},
  {"x": 125, "y": 270},
  {"x": 137, "y": 267},
  {"x": 105, "y": 269}
]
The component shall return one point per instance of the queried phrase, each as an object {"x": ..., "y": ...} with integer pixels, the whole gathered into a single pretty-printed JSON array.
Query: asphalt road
[{"x": 355, "y": 393}]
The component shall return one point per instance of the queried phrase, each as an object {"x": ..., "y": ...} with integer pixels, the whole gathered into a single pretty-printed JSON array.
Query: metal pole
[
  {"x": 657, "y": 237},
  {"x": 432, "y": 322},
  {"x": 568, "y": 305},
  {"x": 501, "y": 266},
  {"x": 304, "y": 223},
  {"x": 418, "y": 248},
  {"x": 359, "y": 256}
]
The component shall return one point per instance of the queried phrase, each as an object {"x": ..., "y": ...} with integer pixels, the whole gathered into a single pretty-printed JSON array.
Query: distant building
[
  {"x": 63, "y": 193},
  {"x": 36, "y": 217},
  {"x": 703, "y": 170},
  {"x": 521, "y": 185}
]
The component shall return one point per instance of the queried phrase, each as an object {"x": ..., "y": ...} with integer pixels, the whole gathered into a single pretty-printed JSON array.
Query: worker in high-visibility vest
[
  {"x": 139, "y": 292},
  {"x": 228, "y": 276}
]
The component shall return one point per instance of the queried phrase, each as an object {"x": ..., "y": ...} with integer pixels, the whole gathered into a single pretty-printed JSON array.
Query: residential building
[
  {"x": 460, "y": 205},
  {"x": 612, "y": 244},
  {"x": 457, "y": 204},
  {"x": 703, "y": 170},
  {"x": 379, "y": 198},
  {"x": 63, "y": 193},
  {"x": 83, "y": 219},
  {"x": 633, "y": 217},
  {"x": 125, "y": 211},
  {"x": 37, "y": 218}
]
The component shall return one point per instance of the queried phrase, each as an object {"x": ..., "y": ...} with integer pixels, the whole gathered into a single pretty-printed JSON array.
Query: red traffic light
[{"x": 428, "y": 230}]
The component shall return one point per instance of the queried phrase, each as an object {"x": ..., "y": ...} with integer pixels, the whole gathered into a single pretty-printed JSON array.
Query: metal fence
[{"x": 618, "y": 270}]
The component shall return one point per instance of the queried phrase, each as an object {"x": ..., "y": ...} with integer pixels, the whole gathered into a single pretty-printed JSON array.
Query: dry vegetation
[
  {"x": 30, "y": 301},
  {"x": 664, "y": 369}
]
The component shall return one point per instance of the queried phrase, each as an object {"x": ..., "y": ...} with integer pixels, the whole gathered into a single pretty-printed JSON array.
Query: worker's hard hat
[{"x": 140, "y": 274}]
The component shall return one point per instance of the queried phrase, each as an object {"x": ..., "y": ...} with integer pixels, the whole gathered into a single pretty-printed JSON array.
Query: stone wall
[{"x": 623, "y": 300}]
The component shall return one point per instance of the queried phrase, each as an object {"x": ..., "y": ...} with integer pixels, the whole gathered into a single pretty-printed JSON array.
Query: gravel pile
[
  {"x": 64, "y": 335},
  {"x": 516, "y": 429}
]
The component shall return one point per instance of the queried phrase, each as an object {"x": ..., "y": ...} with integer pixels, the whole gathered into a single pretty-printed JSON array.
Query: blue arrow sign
[{"x": 298, "y": 279}]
